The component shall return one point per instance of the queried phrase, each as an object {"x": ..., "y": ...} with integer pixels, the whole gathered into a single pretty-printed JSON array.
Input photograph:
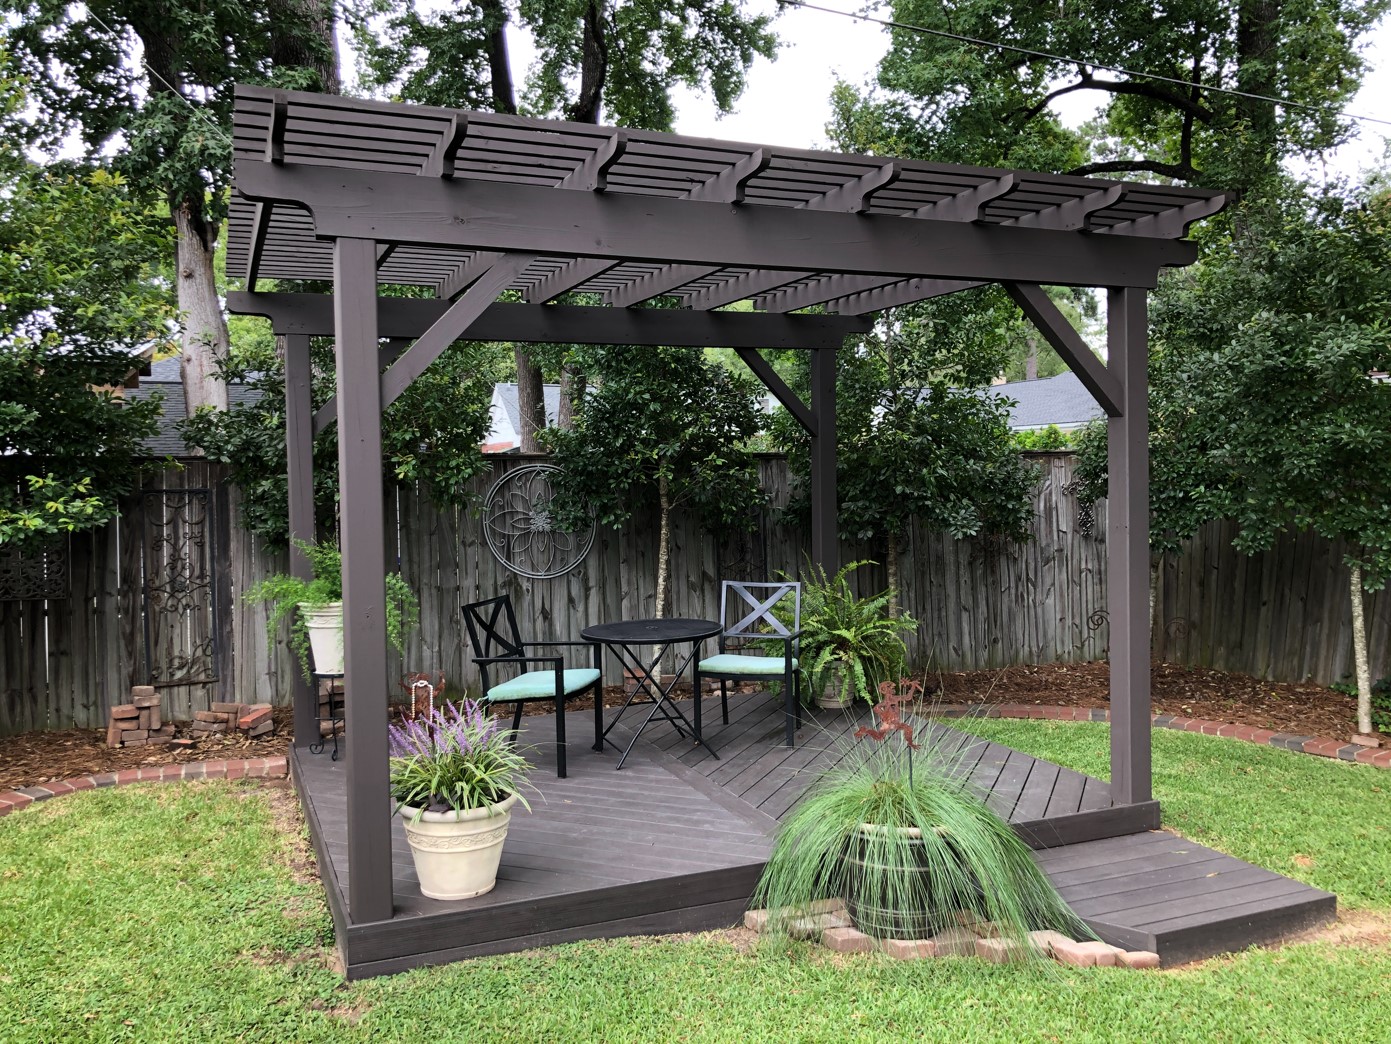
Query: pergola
[{"x": 468, "y": 205}]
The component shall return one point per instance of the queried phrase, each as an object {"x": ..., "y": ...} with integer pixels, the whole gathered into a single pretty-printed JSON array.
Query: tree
[
  {"x": 78, "y": 303},
  {"x": 963, "y": 102},
  {"x": 914, "y": 438},
  {"x": 663, "y": 426},
  {"x": 597, "y": 60},
  {"x": 153, "y": 82},
  {"x": 1268, "y": 396}
]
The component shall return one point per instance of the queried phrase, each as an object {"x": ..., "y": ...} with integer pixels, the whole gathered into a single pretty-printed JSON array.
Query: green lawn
[
  {"x": 1314, "y": 819},
  {"x": 168, "y": 913}
]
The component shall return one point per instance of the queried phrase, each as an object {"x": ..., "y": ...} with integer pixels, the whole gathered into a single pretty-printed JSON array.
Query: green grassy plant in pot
[
  {"x": 849, "y": 644},
  {"x": 455, "y": 777},
  {"x": 895, "y": 831},
  {"x": 314, "y": 609}
]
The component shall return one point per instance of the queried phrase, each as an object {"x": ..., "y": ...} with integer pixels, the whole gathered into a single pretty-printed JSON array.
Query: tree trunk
[
  {"x": 1155, "y": 562},
  {"x": 531, "y": 402},
  {"x": 1031, "y": 359},
  {"x": 892, "y": 567},
  {"x": 594, "y": 66},
  {"x": 663, "y": 545},
  {"x": 1359, "y": 655},
  {"x": 572, "y": 389},
  {"x": 205, "y": 338},
  {"x": 499, "y": 62},
  {"x": 302, "y": 36}
]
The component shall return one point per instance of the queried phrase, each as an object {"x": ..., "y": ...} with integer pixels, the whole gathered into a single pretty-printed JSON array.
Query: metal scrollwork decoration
[
  {"x": 521, "y": 531},
  {"x": 34, "y": 575}
]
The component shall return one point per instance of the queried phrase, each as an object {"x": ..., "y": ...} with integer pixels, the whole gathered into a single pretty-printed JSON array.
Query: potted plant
[
  {"x": 315, "y": 609},
  {"x": 849, "y": 644},
  {"x": 455, "y": 776},
  {"x": 895, "y": 831}
]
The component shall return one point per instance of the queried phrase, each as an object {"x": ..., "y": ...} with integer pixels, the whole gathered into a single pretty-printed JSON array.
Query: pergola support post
[
  {"x": 299, "y": 452},
  {"x": 824, "y": 536},
  {"x": 1127, "y": 547},
  {"x": 363, "y": 541}
]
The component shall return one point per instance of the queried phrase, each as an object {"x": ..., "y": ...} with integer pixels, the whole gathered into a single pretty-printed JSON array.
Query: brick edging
[
  {"x": 239, "y": 768},
  {"x": 1319, "y": 745}
]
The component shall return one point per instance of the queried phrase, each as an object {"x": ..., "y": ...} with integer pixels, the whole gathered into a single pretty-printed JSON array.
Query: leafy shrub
[{"x": 854, "y": 636}]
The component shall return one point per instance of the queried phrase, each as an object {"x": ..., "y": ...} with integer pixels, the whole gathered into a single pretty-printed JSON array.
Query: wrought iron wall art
[
  {"x": 35, "y": 575},
  {"x": 178, "y": 559},
  {"x": 1086, "y": 510},
  {"x": 520, "y": 530}
]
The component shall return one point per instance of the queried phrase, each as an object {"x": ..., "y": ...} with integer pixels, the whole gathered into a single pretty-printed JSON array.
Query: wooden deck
[{"x": 676, "y": 840}]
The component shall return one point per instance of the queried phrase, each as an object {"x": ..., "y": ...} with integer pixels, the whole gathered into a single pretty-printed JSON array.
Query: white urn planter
[
  {"x": 325, "y": 626},
  {"x": 833, "y": 697},
  {"x": 457, "y": 853}
]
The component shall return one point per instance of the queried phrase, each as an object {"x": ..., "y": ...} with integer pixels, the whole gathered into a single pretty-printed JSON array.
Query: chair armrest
[
  {"x": 556, "y": 661},
  {"x": 527, "y": 645}
]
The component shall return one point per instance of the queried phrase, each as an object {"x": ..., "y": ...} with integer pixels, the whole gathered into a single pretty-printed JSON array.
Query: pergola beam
[
  {"x": 566, "y": 278},
  {"x": 1035, "y": 303},
  {"x": 655, "y": 284},
  {"x": 489, "y": 215}
]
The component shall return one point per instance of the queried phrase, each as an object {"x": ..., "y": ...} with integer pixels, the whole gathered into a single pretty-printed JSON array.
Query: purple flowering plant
[{"x": 458, "y": 758}]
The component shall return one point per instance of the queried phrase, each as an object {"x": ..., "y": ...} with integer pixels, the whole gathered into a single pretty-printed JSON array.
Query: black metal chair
[
  {"x": 496, "y": 641},
  {"x": 759, "y": 612}
]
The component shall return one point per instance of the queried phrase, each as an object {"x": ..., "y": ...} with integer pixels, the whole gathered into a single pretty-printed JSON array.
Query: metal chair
[
  {"x": 496, "y": 641},
  {"x": 759, "y": 612}
]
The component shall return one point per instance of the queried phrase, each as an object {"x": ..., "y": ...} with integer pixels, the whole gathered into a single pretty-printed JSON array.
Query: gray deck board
[{"x": 676, "y": 841}]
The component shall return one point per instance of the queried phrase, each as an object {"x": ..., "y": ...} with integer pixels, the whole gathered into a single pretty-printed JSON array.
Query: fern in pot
[
  {"x": 849, "y": 644},
  {"x": 895, "y": 831},
  {"x": 314, "y": 609},
  {"x": 455, "y": 776}
]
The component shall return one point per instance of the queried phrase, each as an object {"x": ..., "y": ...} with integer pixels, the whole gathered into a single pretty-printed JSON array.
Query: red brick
[
  {"x": 152, "y": 772},
  {"x": 159, "y": 740},
  {"x": 1210, "y": 728},
  {"x": 847, "y": 940},
  {"x": 263, "y": 729},
  {"x": 125, "y": 710},
  {"x": 184, "y": 744},
  {"x": 210, "y": 716},
  {"x": 1001, "y": 951},
  {"x": 214, "y": 769},
  {"x": 756, "y": 920},
  {"x": 1044, "y": 941},
  {"x": 168, "y": 772},
  {"x": 1179, "y": 723},
  {"x": 113, "y": 735},
  {"x": 955, "y": 942},
  {"x": 227, "y": 708},
  {"x": 167, "y": 729},
  {"x": 909, "y": 949},
  {"x": 277, "y": 766},
  {"x": 1065, "y": 951},
  {"x": 145, "y": 702},
  {"x": 254, "y": 717},
  {"x": 82, "y": 783},
  {"x": 127, "y": 776},
  {"x": 1326, "y": 748},
  {"x": 236, "y": 769},
  {"x": 143, "y": 690},
  {"x": 16, "y": 800},
  {"x": 156, "y": 719},
  {"x": 57, "y": 787},
  {"x": 134, "y": 742},
  {"x": 134, "y": 734},
  {"x": 1229, "y": 730},
  {"x": 1137, "y": 959}
]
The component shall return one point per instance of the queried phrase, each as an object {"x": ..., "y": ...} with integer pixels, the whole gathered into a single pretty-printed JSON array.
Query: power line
[{"x": 891, "y": 24}]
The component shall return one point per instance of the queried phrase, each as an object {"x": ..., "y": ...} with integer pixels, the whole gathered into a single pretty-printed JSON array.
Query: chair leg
[
  {"x": 599, "y": 715},
  {"x": 517, "y": 720},
  {"x": 724, "y": 699},
  {"x": 789, "y": 695},
  {"x": 695, "y": 698},
  {"x": 560, "y": 736}
]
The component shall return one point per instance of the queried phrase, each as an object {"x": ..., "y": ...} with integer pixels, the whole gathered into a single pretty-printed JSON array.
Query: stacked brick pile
[
  {"x": 220, "y": 718},
  {"x": 828, "y": 923},
  {"x": 330, "y": 698},
  {"x": 138, "y": 723}
]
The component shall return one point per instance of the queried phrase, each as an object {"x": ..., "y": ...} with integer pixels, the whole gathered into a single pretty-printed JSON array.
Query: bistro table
[{"x": 625, "y": 639}]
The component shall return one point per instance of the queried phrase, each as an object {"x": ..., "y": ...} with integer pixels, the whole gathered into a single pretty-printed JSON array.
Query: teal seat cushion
[
  {"x": 534, "y": 684},
  {"x": 734, "y": 663}
]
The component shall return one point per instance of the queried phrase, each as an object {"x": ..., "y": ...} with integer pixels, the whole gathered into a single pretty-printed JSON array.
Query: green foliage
[
  {"x": 1042, "y": 440},
  {"x": 458, "y": 759},
  {"x": 431, "y": 434},
  {"x": 914, "y": 439},
  {"x": 659, "y": 416},
  {"x": 1381, "y": 705},
  {"x": 289, "y": 595},
  {"x": 78, "y": 304},
  {"x": 959, "y": 102},
  {"x": 931, "y": 849},
  {"x": 852, "y": 640}
]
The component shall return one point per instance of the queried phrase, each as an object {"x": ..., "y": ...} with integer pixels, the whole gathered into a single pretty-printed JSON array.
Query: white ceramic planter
[
  {"x": 831, "y": 698},
  {"x": 457, "y": 854},
  {"x": 325, "y": 626}
]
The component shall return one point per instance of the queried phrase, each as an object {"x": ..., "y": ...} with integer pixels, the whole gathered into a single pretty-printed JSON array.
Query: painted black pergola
[{"x": 469, "y": 205}]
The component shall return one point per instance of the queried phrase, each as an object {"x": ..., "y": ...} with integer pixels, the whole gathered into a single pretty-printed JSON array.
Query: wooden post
[
  {"x": 299, "y": 451},
  {"x": 1127, "y": 548},
  {"x": 824, "y": 539},
  {"x": 363, "y": 538}
]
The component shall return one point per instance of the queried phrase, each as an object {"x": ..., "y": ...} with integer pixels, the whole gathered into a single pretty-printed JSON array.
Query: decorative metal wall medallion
[
  {"x": 34, "y": 575},
  {"x": 520, "y": 530}
]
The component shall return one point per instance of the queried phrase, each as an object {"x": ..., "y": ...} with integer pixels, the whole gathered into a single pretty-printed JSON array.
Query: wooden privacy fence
[{"x": 155, "y": 597}]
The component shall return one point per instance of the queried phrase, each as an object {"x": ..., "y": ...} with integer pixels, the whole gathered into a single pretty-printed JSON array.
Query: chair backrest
[
  {"x": 492, "y": 628},
  {"x": 750, "y": 609}
]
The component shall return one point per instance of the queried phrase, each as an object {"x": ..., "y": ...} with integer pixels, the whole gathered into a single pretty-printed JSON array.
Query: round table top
[{"x": 651, "y": 632}]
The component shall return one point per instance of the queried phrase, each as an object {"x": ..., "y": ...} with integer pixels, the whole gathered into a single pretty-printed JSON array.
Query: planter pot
[
  {"x": 457, "y": 854},
  {"x": 325, "y": 626},
  {"x": 832, "y": 697},
  {"x": 915, "y": 912}
]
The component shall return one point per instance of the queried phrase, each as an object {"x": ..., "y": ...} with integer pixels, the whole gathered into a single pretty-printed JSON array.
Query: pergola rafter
[{"x": 472, "y": 206}]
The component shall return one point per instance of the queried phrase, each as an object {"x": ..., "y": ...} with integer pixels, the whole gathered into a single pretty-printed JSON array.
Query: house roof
[
  {"x": 1060, "y": 400},
  {"x": 505, "y": 395},
  {"x": 937, "y": 228},
  {"x": 165, "y": 378}
]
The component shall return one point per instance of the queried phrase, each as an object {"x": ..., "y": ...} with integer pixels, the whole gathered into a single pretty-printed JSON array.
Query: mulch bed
[
  {"x": 1303, "y": 709},
  {"x": 1192, "y": 692}
]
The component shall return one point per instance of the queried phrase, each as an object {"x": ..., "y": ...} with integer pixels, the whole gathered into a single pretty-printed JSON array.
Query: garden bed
[{"x": 1302, "y": 708}]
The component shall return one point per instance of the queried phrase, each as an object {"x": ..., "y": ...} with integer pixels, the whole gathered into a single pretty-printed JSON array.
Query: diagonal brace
[
  {"x": 1068, "y": 343},
  {"x": 753, "y": 358}
]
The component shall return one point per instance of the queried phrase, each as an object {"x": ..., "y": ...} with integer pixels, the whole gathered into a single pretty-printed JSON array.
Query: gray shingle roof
[
  {"x": 1060, "y": 400},
  {"x": 165, "y": 379},
  {"x": 507, "y": 394}
]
